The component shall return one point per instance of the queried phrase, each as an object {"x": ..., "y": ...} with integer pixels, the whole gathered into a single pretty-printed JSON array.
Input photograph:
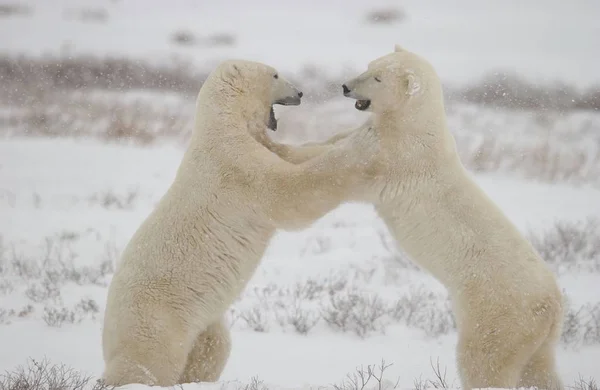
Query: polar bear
[
  {"x": 194, "y": 254},
  {"x": 506, "y": 300}
]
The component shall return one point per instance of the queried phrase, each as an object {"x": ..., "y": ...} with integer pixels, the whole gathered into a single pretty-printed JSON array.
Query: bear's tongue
[{"x": 272, "y": 120}]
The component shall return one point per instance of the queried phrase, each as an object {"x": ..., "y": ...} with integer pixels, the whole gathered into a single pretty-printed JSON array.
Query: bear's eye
[
  {"x": 275, "y": 76},
  {"x": 377, "y": 79}
]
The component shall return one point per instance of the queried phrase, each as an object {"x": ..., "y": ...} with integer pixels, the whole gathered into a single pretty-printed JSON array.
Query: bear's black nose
[
  {"x": 300, "y": 94},
  {"x": 345, "y": 89}
]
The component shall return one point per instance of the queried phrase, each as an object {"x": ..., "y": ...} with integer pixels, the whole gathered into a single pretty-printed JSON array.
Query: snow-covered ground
[{"x": 69, "y": 205}]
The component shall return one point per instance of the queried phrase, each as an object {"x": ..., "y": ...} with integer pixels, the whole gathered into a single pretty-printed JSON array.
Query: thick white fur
[
  {"x": 194, "y": 254},
  {"x": 506, "y": 301}
]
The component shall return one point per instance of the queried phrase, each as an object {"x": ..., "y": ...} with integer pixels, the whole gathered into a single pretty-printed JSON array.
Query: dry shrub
[
  {"x": 40, "y": 95},
  {"x": 56, "y": 316},
  {"x": 589, "y": 100},
  {"x": 355, "y": 311},
  {"x": 424, "y": 310},
  {"x": 385, "y": 16},
  {"x": 87, "y": 15},
  {"x": 112, "y": 200},
  {"x": 23, "y": 78},
  {"x": 570, "y": 245},
  {"x": 188, "y": 38},
  {"x": 539, "y": 160},
  {"x": 42, "y": 375},
  {"x": 508, "y": 90},
  {"x": 7, "y": 10},
  {"x": 581, "y": 325},
  {"x": 55, "y": 266},
  {"x": 60, "y": 115},
  {"x": 255, "y": 319},
  {"x": 255, "y": 384},
  {"x": 371, "y": 377},
  {"x": 183, "y": 37},
  {"x": 6, "y": 315},
  {"x": 584, "y": 384},
  {"x": 220, "y": 39},
  {"x": 341, "y": 305}
]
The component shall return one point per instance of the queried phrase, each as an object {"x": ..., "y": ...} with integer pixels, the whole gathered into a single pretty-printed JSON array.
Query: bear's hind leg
[
  {"x": 154, "y": 355},
  {"x": 121, "y": 370},
  {"x": 209, "y": 355},
  {"x": 151, "y": 368},
  {"x": 494, "y": 355},
  {"x": 540, "y": 371}
]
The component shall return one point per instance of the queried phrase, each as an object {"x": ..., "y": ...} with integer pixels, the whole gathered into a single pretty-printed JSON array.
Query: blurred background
[
  {"x": 532, "y": 55},
  {"x": 96, "y": 108}
]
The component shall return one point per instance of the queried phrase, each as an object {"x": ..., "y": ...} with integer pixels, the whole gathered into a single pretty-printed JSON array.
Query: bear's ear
[
  {"x": 231, "y": 75},
  {"x": 232, "y": 70},
  {"x": 413, "y": 84},
  {"x": 398, "y": 48}
]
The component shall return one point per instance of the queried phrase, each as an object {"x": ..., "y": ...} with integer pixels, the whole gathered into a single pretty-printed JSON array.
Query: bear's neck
[
  {"x": 414, "y": 130},
  {"x": 226, "y": 120}
]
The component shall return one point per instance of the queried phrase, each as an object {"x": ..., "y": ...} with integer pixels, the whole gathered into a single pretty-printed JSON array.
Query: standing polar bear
[
  {"x": 506, "y": 301},
  {"x": 196, "y": 251}
]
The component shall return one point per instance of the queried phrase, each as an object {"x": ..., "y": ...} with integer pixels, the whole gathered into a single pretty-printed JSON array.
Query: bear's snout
[{"x": 290, "y": 100}]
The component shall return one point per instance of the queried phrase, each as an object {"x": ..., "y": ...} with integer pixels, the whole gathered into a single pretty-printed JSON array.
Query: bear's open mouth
[
  {"x": 287, "y": 101},
  {"x": 272, "y": 120},
  {"x": 362, "y": 105}
]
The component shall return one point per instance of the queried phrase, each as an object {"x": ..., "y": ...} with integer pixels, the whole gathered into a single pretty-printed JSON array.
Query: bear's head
[
  {"x": 393, "y": 82},
  {"x": 255, "y": 86}
]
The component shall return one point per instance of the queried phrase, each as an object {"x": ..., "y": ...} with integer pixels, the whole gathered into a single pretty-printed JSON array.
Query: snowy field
[{"x": 85, "y": 156}]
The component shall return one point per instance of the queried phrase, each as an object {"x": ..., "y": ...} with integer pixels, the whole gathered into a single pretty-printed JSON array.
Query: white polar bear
[
  {"x": 196, "y": 251},
  {"x": 506, "y": 300}
]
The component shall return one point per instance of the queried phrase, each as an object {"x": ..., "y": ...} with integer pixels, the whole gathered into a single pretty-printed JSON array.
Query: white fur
[
  {"x": 506, "y": 300},
  {"x": 196, "y": 251}
]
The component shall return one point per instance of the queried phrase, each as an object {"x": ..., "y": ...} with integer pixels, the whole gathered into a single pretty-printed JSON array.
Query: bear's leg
[
  {"x": 540, "y": 371},
  {"x": 301, "y": 194},
  {"x": 153, "y": 356},
  {"x": 158, "y": 366},
  {"x": 493, "y": 355},
  {"x": 122, "y": 370},
  {"x": 209, "y": 355},
  {"x": 301, "y": 153}
]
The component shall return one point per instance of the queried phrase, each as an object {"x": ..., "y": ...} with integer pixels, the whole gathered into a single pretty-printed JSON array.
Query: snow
[{"x": 68, "y": 204}]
